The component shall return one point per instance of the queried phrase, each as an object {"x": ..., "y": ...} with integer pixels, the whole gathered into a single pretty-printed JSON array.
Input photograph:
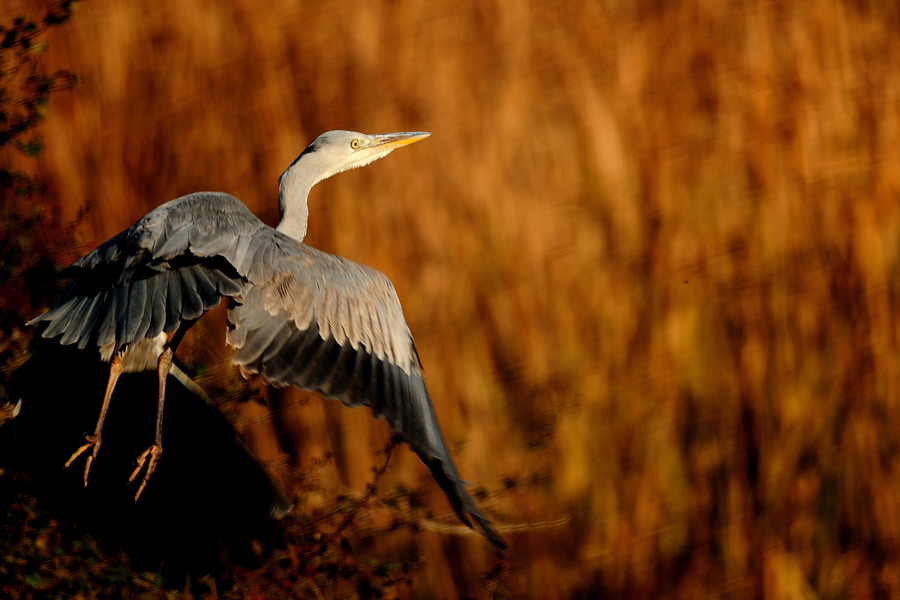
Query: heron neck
[
  {"x": 294, "y": 220},
  {"x": 307, "y": 170},
  {"x": 293, "y": 191}
]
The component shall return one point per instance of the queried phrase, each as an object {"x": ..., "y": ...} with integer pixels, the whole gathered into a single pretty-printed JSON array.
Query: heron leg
[
  {"x": 164, "y": 365},
  {"x": 115, "y": 369}
]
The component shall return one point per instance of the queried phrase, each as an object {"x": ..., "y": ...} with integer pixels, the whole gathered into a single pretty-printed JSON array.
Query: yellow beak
[{"x": 389, "y": 141}]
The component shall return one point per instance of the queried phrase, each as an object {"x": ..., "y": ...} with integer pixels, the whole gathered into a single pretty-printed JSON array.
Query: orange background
[{"x": 650, "y": 257}]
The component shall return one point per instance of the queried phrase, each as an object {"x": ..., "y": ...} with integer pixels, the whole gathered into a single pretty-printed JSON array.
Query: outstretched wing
[
  {"x": 322, "y": 323},
  {"x": 173, "y": 265}
]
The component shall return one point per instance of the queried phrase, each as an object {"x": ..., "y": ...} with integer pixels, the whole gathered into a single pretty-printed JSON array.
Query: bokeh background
[{"x": 650, "y": 257}]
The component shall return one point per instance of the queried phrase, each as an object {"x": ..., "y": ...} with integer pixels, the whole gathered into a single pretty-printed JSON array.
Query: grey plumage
[{"x": 297, "y": 316}]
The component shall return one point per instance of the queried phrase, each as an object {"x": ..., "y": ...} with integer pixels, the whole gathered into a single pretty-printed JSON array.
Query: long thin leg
[
  {"x": 164, "y": 365},
  {"x": 154, "y": 451},
  {"x": 115, "y": 369}
]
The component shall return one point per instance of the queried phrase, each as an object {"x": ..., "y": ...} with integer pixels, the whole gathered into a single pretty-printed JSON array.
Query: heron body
[{"x": 297, "y": 316}]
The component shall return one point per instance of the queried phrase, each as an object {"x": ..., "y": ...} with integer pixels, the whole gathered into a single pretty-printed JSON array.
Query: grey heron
[{"x": 296, "y": 316}]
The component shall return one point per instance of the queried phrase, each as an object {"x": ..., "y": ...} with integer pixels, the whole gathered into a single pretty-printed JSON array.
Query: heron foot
[
  {"x": 93, "y": 440},
  {"x": 153, "y": 452}
]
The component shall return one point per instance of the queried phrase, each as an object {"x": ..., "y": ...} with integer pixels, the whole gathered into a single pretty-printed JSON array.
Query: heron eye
[{"x": 354, "y": 144}]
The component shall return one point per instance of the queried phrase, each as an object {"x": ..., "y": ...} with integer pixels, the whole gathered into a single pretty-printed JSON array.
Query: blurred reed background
[{"x": 650, "y": 257}]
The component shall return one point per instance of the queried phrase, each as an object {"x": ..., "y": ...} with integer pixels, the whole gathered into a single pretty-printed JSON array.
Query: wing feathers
[
  {"x": 173, "y": 302},
  {"x": 268, "y": 342},
  {"x": 326, "y": 313},
  {"x": 361, "y": 380},
  {"x": 158, "y": 307},
  {"x": 151, "y": 291},
  {"x": 253, "y": 348},
  {"x": 61, "y": 320},
  {"x": 192, "y": 306},
  {"x": 91, "y": 316},
  {"x": 342, "y": 372},
  {"x": 107, "y": 329},
  {"x": 136, "y": 300},
  {"x": 238, "y": 252},
  {"x": 172, "y": 265},
  {"x": 120, "y": 302},
  {"x": 73, "y": 325},
  {"x": 279, "y": 364},
  {"x": 172, "y": 245},
  {"x": 321, "y": 364}
]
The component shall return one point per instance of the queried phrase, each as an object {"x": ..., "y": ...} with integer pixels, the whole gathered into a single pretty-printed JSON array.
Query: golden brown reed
[{"x": 650, "y": 257}]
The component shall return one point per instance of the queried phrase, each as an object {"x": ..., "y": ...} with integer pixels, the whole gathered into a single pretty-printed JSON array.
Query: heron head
[{"x": 337, "y": 151}]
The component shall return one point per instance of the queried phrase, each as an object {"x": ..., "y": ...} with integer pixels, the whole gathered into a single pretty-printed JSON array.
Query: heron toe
[
  {"x": 93, "y": 440},
  {"x": 153, "y": 452}
]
